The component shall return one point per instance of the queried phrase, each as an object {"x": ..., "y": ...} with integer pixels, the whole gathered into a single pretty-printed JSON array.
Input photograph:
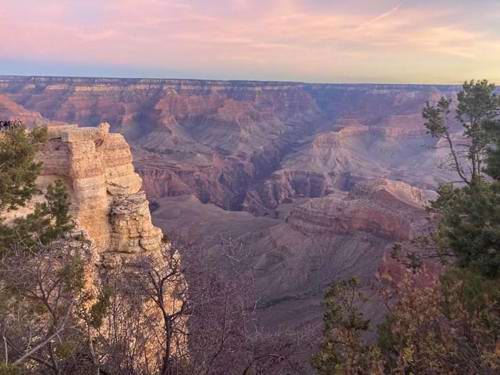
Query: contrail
[{"x": 383, "y": 15}]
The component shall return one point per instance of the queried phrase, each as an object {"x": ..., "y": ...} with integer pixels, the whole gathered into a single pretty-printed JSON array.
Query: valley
[{"x": 315, "y": 181}]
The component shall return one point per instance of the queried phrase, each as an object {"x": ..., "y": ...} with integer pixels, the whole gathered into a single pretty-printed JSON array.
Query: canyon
[{"x": 316, "y": 181}]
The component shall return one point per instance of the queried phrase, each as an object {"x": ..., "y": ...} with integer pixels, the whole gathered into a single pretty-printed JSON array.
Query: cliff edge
[{"x": 107, "y": 200}]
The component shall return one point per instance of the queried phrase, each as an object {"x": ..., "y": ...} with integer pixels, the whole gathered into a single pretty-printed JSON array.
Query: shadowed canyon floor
[{"x": 316, "y": 180}]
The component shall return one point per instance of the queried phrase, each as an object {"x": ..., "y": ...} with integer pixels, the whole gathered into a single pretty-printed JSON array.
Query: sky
[{"x": 384, "y": 41}]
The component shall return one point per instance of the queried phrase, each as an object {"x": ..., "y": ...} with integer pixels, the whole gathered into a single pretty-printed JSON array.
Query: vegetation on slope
[{"x": 437, "y": 324}]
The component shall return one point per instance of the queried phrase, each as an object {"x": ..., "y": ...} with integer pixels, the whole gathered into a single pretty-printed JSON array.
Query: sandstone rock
[
  {"x": 97, "y": 167},
  {"x": 132, "y": 230},
  {"x": 387, "y": 209},
  {"x": 395, "y": 191},
  {"x": 112, "y": 213}
]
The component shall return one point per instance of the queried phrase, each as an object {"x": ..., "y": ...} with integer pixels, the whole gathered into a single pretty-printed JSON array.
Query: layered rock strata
[
  {"x": 111, "y": 211},
  {"x": 245, "y": 145},
  {"x": 384, "y": 208},
  {"x": 318, "y": 168},
  {"x": 107, "y": 200}
]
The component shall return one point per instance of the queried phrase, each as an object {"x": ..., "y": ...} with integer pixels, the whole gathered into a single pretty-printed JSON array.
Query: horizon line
[{"x": 159, "y": 79}]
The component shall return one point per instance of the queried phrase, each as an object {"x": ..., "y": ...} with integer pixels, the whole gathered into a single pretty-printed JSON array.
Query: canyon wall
[
  {"x": 106, "y": 195},
  {"x": 246, "y": 145},
  {"x": 316, "y": 181}
]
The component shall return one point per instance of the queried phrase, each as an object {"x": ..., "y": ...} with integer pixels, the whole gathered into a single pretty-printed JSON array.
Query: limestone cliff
[
  {"x": 107, "y": 200},
  {"x": 110, "y": 209}
]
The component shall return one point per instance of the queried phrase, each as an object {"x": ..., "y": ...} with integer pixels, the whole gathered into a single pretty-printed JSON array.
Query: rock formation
[
  {"x": 225, "y": 141},
  {"x": 10, "y": 110},
  {"x": 318, "y": 181},
  {"x": 111, "y": 211},
  {"x": 107, "y": 200},
  {"x": 387, "y": 209}
]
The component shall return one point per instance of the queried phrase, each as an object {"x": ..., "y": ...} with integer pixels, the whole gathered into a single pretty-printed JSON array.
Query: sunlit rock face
[
  {"x": 105, "y": 190},
  {"x": 112, "y": 212}
]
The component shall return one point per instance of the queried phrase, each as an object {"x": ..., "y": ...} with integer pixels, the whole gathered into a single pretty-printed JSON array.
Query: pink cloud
[{"x": 281, "y": 39}]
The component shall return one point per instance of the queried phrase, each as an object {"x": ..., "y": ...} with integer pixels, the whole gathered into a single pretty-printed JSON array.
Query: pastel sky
[{"x": 419, "y": 41}]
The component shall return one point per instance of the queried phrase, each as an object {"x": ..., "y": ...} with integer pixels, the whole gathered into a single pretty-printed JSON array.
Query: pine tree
[
  {"x": 18, "y": 168},
  {"x": 18, "y": 173},
  {"x": 477, "y": 109},
  {"x": 470, "y": 214},
  {"x": 343, "y": 350}
]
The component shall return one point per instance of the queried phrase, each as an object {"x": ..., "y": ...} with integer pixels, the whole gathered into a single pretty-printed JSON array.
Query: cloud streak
[{"x": 380, "y": 17}]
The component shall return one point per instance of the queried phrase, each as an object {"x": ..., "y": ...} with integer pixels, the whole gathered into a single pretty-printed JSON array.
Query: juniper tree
[
  {"x": 18, "y": 173},
  {"x": 18, "y": 167},
  {"x": 470, "y": 213},
  {"x": 41, "y": 278}
]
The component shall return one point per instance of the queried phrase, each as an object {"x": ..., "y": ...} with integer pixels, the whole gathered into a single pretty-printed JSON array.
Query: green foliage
[
  {"x": 100, "y": 308},
  {"x": 478, "y": 294},
  {"x": 437, "y": 326},
  {"x": 493, "y": 151},
  {"x": 477, "y": 105},
  {"x": 41, "y": 276},
  {"x": 450, "y": 326},
  {"x": 18, "y": 168},
  {"x": 478, "y": 108},
  {"x": 18, "y": 173},
  {"x": 436, "y": 117},
  {"x": 444, "y": 326},
  {"x": 57, "y": 205},
  {"x": 341, "y": 301},
  {"x": 72, "y": 274},
  {"x": 342, "y": 350},
  {"x": 67, "y": 348},
  {"x": 470, "y": 214},
  {"x": 49, "y": 221},
  {"x": 8, "y": 369},
  {"x": 470, "y": 225}
]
